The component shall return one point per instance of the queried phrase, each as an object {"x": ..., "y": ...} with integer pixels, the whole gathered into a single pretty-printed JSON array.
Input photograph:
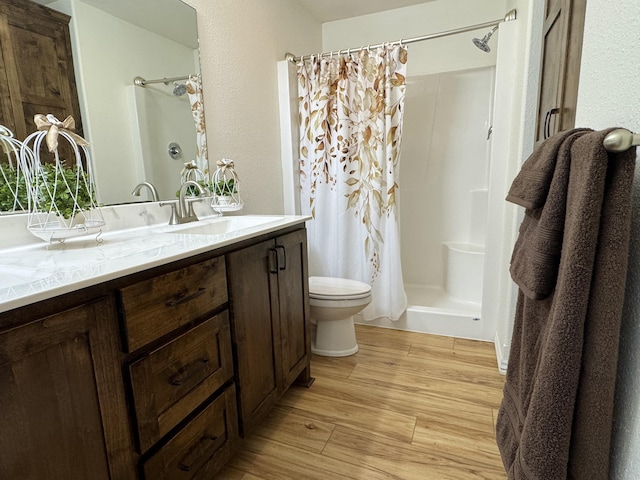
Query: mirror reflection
[{"x": 144, "y": 132}]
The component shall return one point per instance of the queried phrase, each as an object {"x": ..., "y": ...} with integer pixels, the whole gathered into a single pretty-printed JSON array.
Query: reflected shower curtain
[
  {"x": 351, "y": 110},
  {"x": 194, "y": 90}
]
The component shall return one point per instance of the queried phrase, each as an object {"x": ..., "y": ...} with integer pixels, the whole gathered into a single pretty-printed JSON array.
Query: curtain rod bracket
[{"x": 511, "y": 15}]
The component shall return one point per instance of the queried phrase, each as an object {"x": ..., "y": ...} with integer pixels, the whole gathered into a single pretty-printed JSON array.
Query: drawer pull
[
  {"x": 184, "y": 298},
  {"x": 195, "y": 453},
  {"x": 188, "y": 371}
]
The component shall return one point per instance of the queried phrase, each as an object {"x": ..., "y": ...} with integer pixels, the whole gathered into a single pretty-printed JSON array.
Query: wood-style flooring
[{"x": 406, "y": 406}]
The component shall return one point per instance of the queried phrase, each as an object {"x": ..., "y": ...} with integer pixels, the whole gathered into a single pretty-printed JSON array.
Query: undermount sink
[
  {"x": 12, "y": 276},
  {"x": 222, "y": 225}
]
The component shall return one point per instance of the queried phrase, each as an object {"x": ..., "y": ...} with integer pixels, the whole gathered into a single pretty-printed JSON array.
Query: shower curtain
[
  {"x": 194, "y": 90},
  {"x": 351, "y": 110}
]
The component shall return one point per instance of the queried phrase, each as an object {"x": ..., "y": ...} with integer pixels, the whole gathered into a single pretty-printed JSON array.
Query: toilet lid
[{"x": 337, "y": 288}]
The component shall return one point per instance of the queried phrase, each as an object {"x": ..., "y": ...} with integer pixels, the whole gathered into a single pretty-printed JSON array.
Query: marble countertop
[{"x": 38, "y": 271}]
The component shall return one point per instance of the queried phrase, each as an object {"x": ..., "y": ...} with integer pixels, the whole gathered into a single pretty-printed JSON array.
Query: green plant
[
  {"x": 64, "y": 190},
  {"x": 225, "y": 187},
  {"x": 12, "y": 186}
]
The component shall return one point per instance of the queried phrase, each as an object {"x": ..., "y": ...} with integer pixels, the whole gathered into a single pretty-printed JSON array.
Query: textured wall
[
  {"x": 240, "y": 43},
  {"x": 608, "y": 96}
]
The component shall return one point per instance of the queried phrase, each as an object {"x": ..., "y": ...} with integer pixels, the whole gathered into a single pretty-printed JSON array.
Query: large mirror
[{"x": 131, "y": 127}]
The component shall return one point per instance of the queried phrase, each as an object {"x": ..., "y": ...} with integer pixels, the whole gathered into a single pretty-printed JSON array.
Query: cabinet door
[
  {"x": 62, "y": 403},
  {"x": 253, "y": 292},
  {"x": 560, "y": 66},
  {"x": 293, "y": 290}
]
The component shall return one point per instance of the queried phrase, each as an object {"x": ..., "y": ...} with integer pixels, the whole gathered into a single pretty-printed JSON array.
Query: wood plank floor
[{"x": 406, "y": 406}]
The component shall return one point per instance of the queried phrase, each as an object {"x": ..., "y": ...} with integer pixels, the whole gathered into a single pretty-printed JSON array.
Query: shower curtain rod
[
  {"x": 141, "y": 82},
  {"x": 511, "y": 15}
]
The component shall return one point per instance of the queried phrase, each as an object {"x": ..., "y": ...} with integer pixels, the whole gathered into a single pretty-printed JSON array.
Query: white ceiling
[{"x": 330, "y": 10}]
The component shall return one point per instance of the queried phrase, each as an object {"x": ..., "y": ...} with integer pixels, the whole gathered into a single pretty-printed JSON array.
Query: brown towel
[
  {"x": 564, "y": 347},
  {"x": 536, "y": 256}
]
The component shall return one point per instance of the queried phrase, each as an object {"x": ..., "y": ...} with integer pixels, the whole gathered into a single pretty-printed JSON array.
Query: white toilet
[{"x": 334, "y": 302}]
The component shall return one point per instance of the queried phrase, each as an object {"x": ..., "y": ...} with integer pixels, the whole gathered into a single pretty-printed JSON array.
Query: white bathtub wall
[{"x": 444, "y": 168}]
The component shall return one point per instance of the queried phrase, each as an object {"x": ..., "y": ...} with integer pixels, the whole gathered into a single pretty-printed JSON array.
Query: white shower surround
[
  {"x": 443, "y": 201},
  {"x": 451, "y": 212},
  {"x": 465, "y": 207}
]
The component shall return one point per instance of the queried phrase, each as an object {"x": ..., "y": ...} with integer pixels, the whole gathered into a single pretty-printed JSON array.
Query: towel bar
[{"x": 620, "y": 140}]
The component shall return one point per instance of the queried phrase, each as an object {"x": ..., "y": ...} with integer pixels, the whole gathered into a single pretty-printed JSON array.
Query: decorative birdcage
[
  {"x": 62, "y": 195},
  {"x": 193, "y": 173},
  {"x": 225, "y": 187},
  {"x": 14, "y": 195}
]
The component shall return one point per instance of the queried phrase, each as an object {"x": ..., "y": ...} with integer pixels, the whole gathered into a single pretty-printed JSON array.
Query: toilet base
[
  {"x": 334, "y": 338},
  {"x": 333, "y": 353}
]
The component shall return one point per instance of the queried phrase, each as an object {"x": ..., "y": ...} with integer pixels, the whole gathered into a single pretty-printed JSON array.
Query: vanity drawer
[
  {"x": 202, "y": 447},
  {"x": 171, "y": 381},
  {"x": 155, "y": 307}
]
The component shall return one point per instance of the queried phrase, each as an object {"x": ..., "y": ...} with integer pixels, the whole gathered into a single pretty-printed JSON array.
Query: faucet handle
[{"x": 173, "y": 219}]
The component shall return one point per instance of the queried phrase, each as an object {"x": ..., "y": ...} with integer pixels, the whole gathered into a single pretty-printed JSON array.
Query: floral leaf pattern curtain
[
  {"x": 194, "y": 90},
  {"x": 351, "y": 112}
]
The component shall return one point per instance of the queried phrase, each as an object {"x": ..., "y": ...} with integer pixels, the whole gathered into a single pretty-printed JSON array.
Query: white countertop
[{"x": 38, "y": 271}]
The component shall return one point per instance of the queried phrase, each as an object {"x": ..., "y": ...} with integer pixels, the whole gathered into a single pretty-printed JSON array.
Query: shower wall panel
[{"x": 444, "y": 160}]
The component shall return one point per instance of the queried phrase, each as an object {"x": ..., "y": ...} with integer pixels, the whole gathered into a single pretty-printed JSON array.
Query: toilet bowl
[{"x": 334, "y": 302}]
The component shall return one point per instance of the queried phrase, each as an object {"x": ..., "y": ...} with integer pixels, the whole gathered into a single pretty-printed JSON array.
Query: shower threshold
[
  {"x": 431, "y": 310},
  {"x": 437, "y": 299}
]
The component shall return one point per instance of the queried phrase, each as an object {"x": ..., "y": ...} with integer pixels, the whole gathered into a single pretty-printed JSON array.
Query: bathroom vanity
[{"x": 151, "y": 354}]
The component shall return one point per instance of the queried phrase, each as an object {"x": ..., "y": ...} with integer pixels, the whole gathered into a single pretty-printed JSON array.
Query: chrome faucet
[
  {"x": 152, "y": 189},
  {"x": 182, "y": 212}
]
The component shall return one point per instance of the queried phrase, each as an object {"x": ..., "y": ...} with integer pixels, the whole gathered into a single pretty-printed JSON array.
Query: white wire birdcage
[
  {"x": 193, "y": 173},
  {"x": 13, "y": 185},
  {"x": 62, "y": 195},
  {"x": 225, "y": 187}
]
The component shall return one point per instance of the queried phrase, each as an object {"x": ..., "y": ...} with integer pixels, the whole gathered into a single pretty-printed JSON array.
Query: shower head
[
  {"x": 179, "y": 89},
  {"x": 483, "y": 43}
]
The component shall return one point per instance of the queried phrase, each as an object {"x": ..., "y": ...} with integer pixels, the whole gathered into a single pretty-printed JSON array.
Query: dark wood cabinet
[
  {"x": 268, "y": 291},
  {"x": 293, "y": 294},
  {"x": 145, "y": 376},
  {"x": 36, "y": 66},
  {"x": 62, "y": 405},
  {"x": 181, "y": 374},
  {"x": 563, "y": 29},
  {"x": 170, "y": 382}
]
